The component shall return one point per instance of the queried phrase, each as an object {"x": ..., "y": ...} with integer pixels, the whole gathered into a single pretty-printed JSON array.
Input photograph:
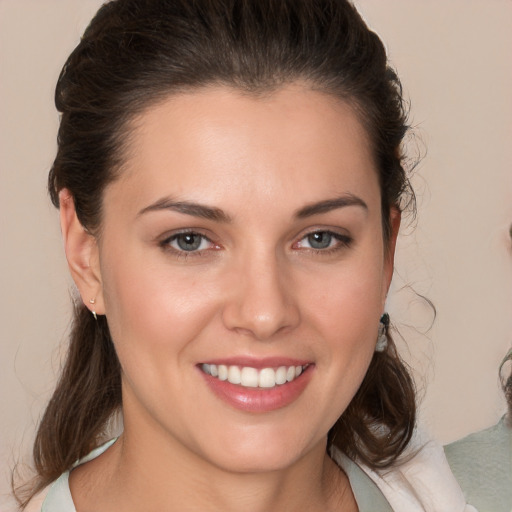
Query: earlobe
[{"x": 82, "y": 254}]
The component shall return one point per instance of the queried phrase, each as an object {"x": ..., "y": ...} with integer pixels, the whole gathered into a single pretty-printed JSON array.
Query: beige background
[{"x": 454, "y": 59}]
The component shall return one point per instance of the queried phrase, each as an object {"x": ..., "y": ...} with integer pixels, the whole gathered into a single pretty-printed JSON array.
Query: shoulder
[
  {"x": 482, "y": 464},
  {"x": 422, "y": 481},
  {"x": 54, "y": 498},
  {"x": 36, "y": 503},
  {"x": 368, "y": 496},
  {"x": 57, "y": 496},
  {"x": 482, "y": 446}
]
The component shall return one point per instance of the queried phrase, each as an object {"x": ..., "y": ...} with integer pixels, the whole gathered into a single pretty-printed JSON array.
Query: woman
[{"x": 230, "y": 181}]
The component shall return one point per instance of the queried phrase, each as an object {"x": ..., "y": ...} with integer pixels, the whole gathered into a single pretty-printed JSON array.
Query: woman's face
[{"x": 243, "y": 242}]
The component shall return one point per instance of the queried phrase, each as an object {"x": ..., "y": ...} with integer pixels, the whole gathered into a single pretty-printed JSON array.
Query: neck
[
  {"x": 179, "y": 480},
  {"x": 145, "y": 474}
]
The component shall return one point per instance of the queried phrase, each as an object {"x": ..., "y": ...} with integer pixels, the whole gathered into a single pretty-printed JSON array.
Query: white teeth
[
  {"x": 222, "y": 371},
  {"x": 251, "y": 377},
  {"x": 267, "y": 378},
  {"x": 234, "y": 375},
  {"x": 281, "y": 375}
]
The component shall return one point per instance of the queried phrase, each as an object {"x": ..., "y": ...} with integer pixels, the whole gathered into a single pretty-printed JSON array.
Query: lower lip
[{"x": 259, "y": 400}]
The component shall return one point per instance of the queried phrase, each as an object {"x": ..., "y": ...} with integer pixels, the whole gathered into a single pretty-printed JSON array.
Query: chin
[
  {"x": 256, "y": 462},
  {"x": 255, "y": 453}
]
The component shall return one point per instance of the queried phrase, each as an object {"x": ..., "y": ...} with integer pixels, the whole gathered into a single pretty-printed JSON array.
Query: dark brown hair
[
  {"x": 506, "y": 382},
  {"x": 137, "y": 52},
  {"x": 508, "y": 395}
]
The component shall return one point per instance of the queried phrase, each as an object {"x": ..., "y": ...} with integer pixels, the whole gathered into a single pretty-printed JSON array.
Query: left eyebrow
[{"x": 331, "y": 204}]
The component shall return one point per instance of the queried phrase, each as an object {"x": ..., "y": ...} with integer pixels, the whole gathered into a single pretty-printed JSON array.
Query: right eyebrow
[{"x": 187, "y": 208}]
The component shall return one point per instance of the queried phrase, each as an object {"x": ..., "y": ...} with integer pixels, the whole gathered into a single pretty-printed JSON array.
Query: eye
[
  {"x": 320, "y": 240},
  {"x": 324, "y": 240},
  {"x": 188, "y": 242}
]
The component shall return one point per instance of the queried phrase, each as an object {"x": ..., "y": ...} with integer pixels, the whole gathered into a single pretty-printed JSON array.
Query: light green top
[
  {"x": 482, "y": 463},
  {"x": 368, "y": 496}
]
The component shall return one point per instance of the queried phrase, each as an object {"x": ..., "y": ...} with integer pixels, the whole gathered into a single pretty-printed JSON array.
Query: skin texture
[{"x": 254, "y": 289}]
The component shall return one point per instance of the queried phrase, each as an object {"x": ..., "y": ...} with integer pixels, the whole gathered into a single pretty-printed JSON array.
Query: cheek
[
  {"x": 345, "y": 313},
  {"x": 348, "y": 298},
  {"x": 152, "y": 310}
]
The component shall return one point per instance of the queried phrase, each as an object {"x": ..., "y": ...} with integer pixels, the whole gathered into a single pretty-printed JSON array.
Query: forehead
[{"x": 295, "y": 139}]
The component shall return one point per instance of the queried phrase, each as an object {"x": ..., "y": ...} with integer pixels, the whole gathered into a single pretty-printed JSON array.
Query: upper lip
[{"x": 258, "y": 363}]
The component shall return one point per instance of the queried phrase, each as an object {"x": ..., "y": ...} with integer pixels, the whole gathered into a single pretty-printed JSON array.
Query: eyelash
[
  {"x": 181, "y": 253},
  {"x": 343, "y": 242}
]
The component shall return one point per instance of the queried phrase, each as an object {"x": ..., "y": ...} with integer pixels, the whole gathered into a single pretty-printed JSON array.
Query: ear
[
  {"x": 82, "y": 254},
  {"x": 395, "y": 217}
]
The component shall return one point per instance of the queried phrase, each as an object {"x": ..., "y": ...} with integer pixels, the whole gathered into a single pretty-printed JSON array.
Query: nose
[{"x": 261, "y": 301}]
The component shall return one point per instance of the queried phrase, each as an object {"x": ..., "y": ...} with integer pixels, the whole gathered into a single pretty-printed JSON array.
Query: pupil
[
  {"x": 320, "y": 240},
  {"x": 189, "y": 242}
]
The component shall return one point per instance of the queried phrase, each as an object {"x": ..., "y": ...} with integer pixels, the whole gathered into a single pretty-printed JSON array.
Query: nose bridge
[{"x": 261, "y": 303}]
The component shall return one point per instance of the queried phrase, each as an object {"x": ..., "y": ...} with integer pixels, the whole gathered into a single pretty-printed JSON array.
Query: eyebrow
[
  {"x": 330, "y": 204},
  {"x": 188, "y": 208},
  {"x": 218, "y": 215}
]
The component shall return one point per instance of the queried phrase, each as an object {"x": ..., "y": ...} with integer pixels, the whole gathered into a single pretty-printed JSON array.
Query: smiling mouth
[{"x": 249, "y": 377}]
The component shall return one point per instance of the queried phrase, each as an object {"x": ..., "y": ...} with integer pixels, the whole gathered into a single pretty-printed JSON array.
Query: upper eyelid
[
  {"x": 186, "y": 231},
  {"x": 338, "y": 236}
]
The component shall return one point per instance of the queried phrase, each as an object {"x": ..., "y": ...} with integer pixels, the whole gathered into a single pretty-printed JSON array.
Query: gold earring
[{"x": 93, "y": 301}]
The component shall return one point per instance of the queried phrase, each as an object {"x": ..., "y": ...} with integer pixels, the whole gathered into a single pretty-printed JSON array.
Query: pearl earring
[{"x": 93, "y": 301}]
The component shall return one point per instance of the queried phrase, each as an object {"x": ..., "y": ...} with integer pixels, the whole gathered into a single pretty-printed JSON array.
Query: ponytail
[{"x": 87, "y": 395}]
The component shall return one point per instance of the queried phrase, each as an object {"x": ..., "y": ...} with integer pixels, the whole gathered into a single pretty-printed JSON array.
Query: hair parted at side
[{"x": 134, "y": 54}]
